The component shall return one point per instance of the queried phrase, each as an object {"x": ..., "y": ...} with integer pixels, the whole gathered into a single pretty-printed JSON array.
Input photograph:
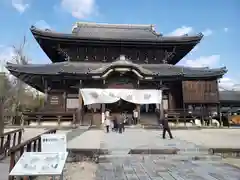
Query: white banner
[
  {"x": 144, "y": 96},
  {"x": 96, "y": 96}
]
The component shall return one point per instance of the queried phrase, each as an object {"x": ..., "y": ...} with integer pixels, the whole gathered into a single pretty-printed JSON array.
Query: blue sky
[{"x": 217, "y": 19}]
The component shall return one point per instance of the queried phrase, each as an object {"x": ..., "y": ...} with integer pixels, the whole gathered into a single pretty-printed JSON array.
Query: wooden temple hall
[{"x": 117, "y": 56}]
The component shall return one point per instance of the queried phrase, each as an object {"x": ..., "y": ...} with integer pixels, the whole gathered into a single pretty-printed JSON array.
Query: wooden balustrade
[
  {"x": 183, "y": 116},
  {"x": 9, "y": 140},
  {"x": 49, "y": 116},
  {"x": 31, "y": 145}
]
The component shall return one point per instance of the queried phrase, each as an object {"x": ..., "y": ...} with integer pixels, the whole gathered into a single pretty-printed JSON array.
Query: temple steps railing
[
  {"x": 43, "y": 117},
  {"x": 9, "y": 140},
  {"x": 31, "y": 145}
]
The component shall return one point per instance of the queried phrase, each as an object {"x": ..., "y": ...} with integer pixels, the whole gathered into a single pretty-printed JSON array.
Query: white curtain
[
  {"x": 97, "y": 96},
  {"x": 144, "y": 96}
]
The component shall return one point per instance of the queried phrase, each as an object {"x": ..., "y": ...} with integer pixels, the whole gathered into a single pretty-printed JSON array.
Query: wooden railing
[
  {"x": 49, "y": 116},
  {"x": 31, "y": 145},
  {"x": 9, "y": 140}
]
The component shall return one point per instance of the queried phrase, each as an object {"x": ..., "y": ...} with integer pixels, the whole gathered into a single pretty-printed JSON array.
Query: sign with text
[
  {"x": 53, "y": 143},
  {"x": 40, "y": 164}
]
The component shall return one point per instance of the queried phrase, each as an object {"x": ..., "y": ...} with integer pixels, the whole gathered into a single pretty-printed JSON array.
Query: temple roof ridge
[
  {"x": 142, "y": 27},
  {"x": 108, "y": 25}
]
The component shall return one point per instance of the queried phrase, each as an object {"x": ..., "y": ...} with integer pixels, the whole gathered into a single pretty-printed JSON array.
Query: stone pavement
[
  {"x": 120, "y": 165},
  {"x": 185, "y": 140},
  {"x": 87, "y": 140},
  {"x": 154, "y": 168},
  {"x": 151, "y": 167},
  {"x": 211, "y": 138},
  {"x": 143, "y": 139}
]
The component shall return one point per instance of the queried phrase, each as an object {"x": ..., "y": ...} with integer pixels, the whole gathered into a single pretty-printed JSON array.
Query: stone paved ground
[
  {"x": 225, "y": 138},
  {"x": 187, "y": 140},
  {"x": 153, "y": 167},
  {"x": 142, "y": 139},
  {"x": 87, "y": 140},
  {"x": 183, "y": 166}
]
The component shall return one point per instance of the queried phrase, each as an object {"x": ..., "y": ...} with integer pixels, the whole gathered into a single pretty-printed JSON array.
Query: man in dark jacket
[{"x": 166, "y": 127}]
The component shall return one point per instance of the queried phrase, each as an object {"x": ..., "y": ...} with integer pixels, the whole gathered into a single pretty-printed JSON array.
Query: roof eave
[{"x": 71, "y": 37}]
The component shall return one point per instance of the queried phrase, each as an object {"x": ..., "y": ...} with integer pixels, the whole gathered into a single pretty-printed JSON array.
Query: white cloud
[
  {"x": 80, "y": 9},
  {"x": 20, "y": 5},
  {"x": 227, "y": 83},
  {"x": 42, "y": 24},
  {"x": 203, "y": 61},
  {"x": 207, "y": 32},
  {"x": 225, "y": 29},
  {"x": 181, "y": 31}
]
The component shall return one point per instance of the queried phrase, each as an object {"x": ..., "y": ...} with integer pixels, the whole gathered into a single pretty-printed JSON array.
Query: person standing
[
  {"x": 121, "y": 123},
  {"x": 166, "y": 127},
  {"x": 135, "y": 116},
  {"x": 107, "y": 123}
]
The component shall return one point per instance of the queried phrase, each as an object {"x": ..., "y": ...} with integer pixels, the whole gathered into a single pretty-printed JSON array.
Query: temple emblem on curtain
[
  {"x": 147, "y": 96},
  {"x": 94, "y": 95}
]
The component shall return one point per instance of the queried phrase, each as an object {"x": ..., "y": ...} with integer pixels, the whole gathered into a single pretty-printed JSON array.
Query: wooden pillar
[
  {"x": 103, "y": 106},
  {"x": 64, "y": 97},
  {"x": 45, "y": 91},
  {"x": 201, "y": 113},
  {"x": 161, "y": 105},
  {"x": 65, "y": 101},
  {"x": 80, "y": 108},
  {"x": 171, "y": 99},
  {"x": 219, "y": 114},
  {"x": 184, "y": 113},
  {"x": 138, "y": 106}
]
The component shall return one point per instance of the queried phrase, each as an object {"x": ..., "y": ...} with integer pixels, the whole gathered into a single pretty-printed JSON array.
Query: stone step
[
  {"x": 193, "y": 157},
  {"x": 75, "y": 132}
]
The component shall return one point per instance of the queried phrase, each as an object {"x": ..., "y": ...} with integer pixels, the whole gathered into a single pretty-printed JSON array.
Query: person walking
[
  {"x": 107, "y": 123},
  {"x": 166, "y": 127}
]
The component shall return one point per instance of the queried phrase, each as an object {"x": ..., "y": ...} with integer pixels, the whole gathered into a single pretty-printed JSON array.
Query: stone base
[{"x": 154, "y": 151}]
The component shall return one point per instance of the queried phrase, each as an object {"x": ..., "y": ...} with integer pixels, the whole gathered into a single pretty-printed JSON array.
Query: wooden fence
[
  {"x": 31, "y": 145},
  {"x": 9, "y": 140}
]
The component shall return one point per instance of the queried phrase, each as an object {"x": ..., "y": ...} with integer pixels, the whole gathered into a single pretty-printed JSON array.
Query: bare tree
[
  {"x": 1, "y": 117},
  {"x": 19, "y": 86},
  {"x": 5, "y": 87},
  {"x": 13, "y": 92}
]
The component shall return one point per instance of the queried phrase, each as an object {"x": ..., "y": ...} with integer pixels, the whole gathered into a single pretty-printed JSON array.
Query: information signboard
[
  {"x": 53, "y": 143},
  {"x": 40, "y": 164}
]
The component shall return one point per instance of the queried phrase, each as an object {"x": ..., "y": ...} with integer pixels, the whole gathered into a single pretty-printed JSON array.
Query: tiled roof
[
  {"x": 117, "y": 32},
  {"x": 164, "y": 70},
  {"x": 229, "y": 96}
]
